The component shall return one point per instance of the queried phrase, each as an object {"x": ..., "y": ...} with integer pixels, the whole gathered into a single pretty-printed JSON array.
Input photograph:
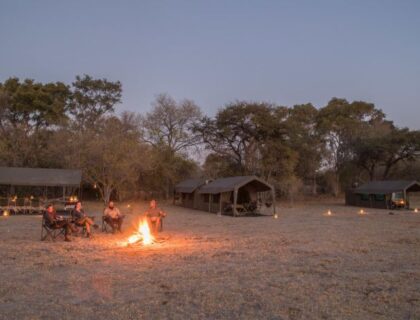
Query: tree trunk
[{"x": 107, "y": 193}]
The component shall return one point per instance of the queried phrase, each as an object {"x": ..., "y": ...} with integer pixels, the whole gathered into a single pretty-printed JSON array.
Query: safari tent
[
  {"x": 186, "y": 193},
  {"x": 388, "y": 194},
  {"x": 238, "y": 195},
  {"x": 27, "y": 189}
]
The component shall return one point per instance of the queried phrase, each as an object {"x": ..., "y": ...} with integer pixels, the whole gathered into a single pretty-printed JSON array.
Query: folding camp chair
[
  {"x": 105, "y": 226},
  {"x": 73, "y": 220},
  {"x": 159, "y": 227},
  {"x": 49, "y": 232}
]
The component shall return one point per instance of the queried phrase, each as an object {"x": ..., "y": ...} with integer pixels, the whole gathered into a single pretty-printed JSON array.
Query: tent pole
[
  {"x": 273, "y": 195},
  {"x": 210, "y": 199},
  {"x": 220, "y": 203},
  {"x": 235, "y": 200}
]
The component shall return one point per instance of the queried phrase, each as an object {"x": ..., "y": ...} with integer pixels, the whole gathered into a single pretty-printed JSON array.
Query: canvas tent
[
  {"x": 186, "y": 192},
  {"x": 20, "y": 186},
  {"x": 233, "y": 195},
  {"x": 383, "y": 194}
]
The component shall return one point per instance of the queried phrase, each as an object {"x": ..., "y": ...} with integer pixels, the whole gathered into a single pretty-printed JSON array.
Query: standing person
[
  {"x": 55, "y": 221},
  {"x": 82, "y": 220},
  {"x": 113, "y": 217},
  {"x": 154, "y": 216}
]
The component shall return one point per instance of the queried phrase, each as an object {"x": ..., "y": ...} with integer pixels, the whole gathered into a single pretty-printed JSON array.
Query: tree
[
  {"x": 339, "y": 122},
  {"x": 169, "y": 124},
  {"x": 400, "y": 145},
  {"x": 240, "y": 131},
  {"x": 29, "y": 112},
  {"x": 93, "y": 98},
  {"x": 305, "y": 141},
  {"x": 167, "y": 128},
  {"x": 383, "y": 147},
  {"x": 110, "y": 155}
]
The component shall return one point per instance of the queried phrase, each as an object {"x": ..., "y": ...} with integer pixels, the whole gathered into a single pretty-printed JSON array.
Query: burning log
[{"x": 143, "y": 236}]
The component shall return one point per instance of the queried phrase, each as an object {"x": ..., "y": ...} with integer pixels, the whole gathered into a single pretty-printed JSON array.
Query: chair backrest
[{"x": 45, "y": 221}]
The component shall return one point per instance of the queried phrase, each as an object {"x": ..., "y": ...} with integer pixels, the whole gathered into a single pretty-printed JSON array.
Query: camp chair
[
  {"x": 159, "y": 227},
  {"x": 105, "y": 225},
  {"x": 83, "y": 231},
  {"x": 48, "y": 232}
]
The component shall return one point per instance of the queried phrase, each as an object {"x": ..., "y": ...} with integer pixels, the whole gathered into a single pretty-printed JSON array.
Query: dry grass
[{"x": 303, "y": 265}]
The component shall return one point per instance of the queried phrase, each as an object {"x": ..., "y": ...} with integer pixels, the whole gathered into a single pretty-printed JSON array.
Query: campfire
[{"x": 142, "y": 235}]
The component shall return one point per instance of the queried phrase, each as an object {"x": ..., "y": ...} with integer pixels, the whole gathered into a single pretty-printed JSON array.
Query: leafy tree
[
  {"x": 239, "y": 131},
  {"x": 110, "y": 156},
  {"x": 93, "y": 98},
  {"x": 305, "y": 141},
  {"x": 339, "y": 122},
  {"x": 29, "y": 111}
]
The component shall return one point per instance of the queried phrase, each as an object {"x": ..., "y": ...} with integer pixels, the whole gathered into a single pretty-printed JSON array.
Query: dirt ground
[{"x": 303, "y": 265}]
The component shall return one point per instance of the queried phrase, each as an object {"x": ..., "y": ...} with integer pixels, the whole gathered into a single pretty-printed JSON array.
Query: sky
[{"x": 216, "y": 52}]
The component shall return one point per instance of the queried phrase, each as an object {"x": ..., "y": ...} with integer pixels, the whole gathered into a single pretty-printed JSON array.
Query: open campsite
[
  {"x": 304, "y": 265},
  {"x": 209, "y": 160}
]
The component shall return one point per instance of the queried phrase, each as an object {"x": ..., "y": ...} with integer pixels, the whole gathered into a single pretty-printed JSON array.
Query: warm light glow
[
  {"x": 142, "y": 234},
  {"x": 362, "y": 212},
  {"x": 275, "y": 216},
  {"x": 6, "y": 213},
  {"x": 145, "y": 231},
  {"x": 31, "y": 197},
  {"x": 128, "y": 205},
  {"x": 95, "y": 186},
  {"x": 416, "y": 210},
  {"x": 329, "y": 213}
]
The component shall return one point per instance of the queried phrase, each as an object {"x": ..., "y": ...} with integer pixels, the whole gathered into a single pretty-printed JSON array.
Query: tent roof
[
  {"x": 232, "y": 183},
  {"x": 39, "y": 177},
  {"x": 386, "y": 187},
  {"x": 189, "y": 186}
]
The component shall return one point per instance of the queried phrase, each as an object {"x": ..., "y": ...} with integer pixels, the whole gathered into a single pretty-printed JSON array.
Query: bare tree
[{"x": 169, "y": 124}]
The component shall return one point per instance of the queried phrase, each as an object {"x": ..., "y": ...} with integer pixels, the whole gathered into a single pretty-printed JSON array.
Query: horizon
[{"x": 215, "y": 53}]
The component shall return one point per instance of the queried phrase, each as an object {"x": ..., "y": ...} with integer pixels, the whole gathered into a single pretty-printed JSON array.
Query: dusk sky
[{"x": 215, "y": 52}]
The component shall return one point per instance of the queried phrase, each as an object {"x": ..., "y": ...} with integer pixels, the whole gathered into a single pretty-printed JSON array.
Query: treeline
[{"x": 300, "y": 149}]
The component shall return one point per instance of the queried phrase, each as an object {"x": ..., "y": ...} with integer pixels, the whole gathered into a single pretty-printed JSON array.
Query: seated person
[
  {"x": 154, "y": 216},
  {"x": 113, "y": 217},
  {"x": 80, "y": 219},
  {"x": 55, "y": 221}
]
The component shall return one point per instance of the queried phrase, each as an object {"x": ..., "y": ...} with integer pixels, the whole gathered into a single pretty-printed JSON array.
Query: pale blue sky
[{"x": 214, "y": 52}]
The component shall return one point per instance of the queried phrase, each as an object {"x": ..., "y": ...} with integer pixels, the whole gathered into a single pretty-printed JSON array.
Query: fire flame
[{"x": 142, "y": 234}]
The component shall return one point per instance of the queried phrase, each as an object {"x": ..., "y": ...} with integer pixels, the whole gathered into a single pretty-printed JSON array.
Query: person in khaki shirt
[
  {"x": 154, "y": 216},
  {"x": 113, "y": 217}
]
